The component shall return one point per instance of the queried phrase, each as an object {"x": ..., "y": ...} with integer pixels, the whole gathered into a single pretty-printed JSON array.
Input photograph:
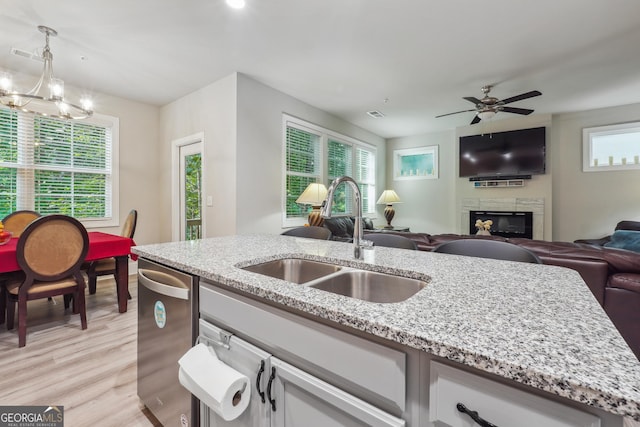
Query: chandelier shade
[{"x": 46, "y": 98}]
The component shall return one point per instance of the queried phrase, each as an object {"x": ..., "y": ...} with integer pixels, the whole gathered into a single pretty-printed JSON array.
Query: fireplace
[{"x": 505, "y": 223}]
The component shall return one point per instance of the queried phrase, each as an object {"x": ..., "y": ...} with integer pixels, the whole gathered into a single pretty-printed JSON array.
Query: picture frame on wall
[{"x": 415, "y": 163}]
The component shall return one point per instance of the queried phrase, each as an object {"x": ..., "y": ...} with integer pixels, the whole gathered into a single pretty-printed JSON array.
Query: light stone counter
[{"x": 534, "y": 324}]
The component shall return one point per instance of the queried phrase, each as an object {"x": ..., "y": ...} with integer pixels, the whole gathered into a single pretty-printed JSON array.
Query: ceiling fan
[{"x": 489, "y": 106}]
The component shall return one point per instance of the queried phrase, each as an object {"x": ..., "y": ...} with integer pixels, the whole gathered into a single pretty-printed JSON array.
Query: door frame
[{"x": 175, "y": 181}]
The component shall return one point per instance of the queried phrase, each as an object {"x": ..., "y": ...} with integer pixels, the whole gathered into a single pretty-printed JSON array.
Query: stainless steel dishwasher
[{"x": 167, "y": 328}]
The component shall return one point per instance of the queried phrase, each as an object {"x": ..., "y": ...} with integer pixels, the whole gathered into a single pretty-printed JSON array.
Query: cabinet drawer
[
  {"x": 496, "y": 403},
  {"x": 341, "y": 358}
]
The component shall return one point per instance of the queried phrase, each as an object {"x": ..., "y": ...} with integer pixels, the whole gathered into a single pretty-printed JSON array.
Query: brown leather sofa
[{"x": 613, "y": 275}]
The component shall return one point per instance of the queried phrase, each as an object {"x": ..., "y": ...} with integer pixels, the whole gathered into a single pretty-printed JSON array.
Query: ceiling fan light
[{"x": 484, "y": 115}]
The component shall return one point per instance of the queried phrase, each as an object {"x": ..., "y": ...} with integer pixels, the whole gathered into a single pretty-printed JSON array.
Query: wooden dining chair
[
  {"x": 17, "y": 221},
  {"x": 50, "y": 252},
  {"x": 107, "y": 266}
]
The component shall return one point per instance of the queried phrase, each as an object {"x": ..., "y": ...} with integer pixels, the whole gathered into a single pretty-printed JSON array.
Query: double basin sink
[{"x": 351, "y": 282}]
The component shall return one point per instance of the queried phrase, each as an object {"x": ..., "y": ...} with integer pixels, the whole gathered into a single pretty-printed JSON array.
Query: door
[
  {"x": 299, "y": 399},
  {"x": 190, "y": 191}
]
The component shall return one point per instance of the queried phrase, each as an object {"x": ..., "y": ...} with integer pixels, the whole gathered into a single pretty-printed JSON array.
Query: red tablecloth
[{"x": 101, "y": 245}]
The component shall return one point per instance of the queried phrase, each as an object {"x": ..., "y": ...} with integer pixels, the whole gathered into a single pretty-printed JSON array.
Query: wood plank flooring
[{"x": 92, "y": 373}]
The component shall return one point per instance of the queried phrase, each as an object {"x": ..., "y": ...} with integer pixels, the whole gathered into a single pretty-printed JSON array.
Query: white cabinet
[
  {"x": 246, "y": 359},
  {"x": 496, "y": 403},
  {"x": 283, "y": 395},
  {"x": 374, "y": 372},
  {"x": 299, "y": 399}
]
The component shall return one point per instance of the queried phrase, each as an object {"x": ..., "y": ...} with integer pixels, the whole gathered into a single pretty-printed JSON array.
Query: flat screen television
[{"x": 512, "y": 153}]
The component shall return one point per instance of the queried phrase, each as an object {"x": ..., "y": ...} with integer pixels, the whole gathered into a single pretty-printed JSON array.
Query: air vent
[
  {"x": 26, "y": 54},
  {"x": 375, "y": 114}
]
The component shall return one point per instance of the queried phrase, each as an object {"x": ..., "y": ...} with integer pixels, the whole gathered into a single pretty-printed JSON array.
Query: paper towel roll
[{"x": 217, "y": 385}]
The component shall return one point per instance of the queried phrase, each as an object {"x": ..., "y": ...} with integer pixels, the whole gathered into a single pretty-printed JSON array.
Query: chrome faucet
[{"x": 327, "y": 204}]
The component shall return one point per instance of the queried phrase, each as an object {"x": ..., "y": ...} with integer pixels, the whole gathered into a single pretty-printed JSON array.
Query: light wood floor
[{"x": 92, "y": 373}]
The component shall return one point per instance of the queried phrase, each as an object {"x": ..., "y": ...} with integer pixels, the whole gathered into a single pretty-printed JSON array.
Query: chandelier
[{"x": 47, "y": 96}]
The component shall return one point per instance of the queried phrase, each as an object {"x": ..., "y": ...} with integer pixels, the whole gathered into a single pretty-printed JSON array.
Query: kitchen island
[{"x": 534, "y": 326}]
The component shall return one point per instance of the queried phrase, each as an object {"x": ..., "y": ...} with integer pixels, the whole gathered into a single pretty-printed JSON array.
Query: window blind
[
  {"x": 365, "y": 176},
  {"x": 55, "y": 166},
  {"x": 303, "y": 167},
  {"x": 340, "y": 162},
  {"x": 305, "y": 147}
]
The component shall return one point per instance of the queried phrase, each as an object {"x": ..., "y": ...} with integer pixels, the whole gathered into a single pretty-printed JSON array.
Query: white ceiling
[{"x": 343, "y": 56}]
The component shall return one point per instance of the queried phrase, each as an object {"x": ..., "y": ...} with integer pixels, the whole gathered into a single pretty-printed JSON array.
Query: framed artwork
[{"x": 415, "y": 163}]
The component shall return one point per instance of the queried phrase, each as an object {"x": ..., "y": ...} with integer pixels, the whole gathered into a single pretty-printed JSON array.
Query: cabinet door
[
  {"x": 248, "y": 360},
  {"x": 299, "y": 399}
]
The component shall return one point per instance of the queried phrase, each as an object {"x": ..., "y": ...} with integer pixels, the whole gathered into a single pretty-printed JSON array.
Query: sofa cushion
[
  {"x": 628, "y": 281},
  {"x": 341, "y": 227},
  {"x": 625, "y": 239}
]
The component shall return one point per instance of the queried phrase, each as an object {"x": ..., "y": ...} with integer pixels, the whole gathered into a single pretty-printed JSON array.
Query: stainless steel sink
[
  {"x": 370, "y": 286},
  {"x": 294, "y": 270}
]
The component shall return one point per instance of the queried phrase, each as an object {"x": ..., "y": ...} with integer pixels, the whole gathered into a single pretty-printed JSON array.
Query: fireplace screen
[{"x": 505, "y": 223}]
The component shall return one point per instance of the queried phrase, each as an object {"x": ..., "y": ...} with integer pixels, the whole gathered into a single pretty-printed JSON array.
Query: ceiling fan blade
[
  {"x": 475, "y": 120},
  {"x": 523, "y": 111},
  {"x": 448, "y": 114},
  {"x": 521, "y": 97},
  {"x": 472, "y": 99}
]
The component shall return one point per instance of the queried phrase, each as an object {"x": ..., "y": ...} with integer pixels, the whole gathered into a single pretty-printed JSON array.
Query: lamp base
[
  {"x": 389, "y": 213},
  {"x": 315, "y": 219}
]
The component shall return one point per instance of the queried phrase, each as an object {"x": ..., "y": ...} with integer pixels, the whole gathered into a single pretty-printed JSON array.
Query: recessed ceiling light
[{"x": 236, "y": 4}]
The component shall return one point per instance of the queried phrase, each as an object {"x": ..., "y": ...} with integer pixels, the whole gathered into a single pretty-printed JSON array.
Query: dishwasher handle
[{"x": 169, "y": 285}]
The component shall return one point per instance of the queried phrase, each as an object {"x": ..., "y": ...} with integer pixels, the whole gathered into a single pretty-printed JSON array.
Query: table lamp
[
  {"x": 388, "y": 197},
  {"x": 314, "y": 195}
]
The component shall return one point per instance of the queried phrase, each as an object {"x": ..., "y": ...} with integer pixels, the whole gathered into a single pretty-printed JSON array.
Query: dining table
[{"x": 101, "y": 245}]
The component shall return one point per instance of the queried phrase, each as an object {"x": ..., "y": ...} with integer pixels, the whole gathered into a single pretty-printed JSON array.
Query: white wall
[
  {"x": 428, "y": 204},
  {"x": 260, "y": 143},
  {"x": 212, "y": 111},
  {"x": 577, "y": 204},
  {"x": 242, "y": 124},
  {"x": 589, "y": 204}
]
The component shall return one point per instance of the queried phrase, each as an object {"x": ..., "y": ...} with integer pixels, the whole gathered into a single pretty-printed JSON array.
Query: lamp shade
[
  {"x": 388, "y": 197},
  {"x": 313, "y": 195}
]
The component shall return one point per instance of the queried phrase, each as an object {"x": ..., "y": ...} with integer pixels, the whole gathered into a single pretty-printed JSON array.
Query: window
[
  {"x": 59, "y": 166},
  {"x": 314, "y": 154},
  {"x": 613, "y": 147}
]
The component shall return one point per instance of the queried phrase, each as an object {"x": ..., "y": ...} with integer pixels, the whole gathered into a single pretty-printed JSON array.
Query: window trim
[
  {"x": 324, "y": 134},
  {"x": 588, "y": 135},
  {"x": 114, "y": 124}
]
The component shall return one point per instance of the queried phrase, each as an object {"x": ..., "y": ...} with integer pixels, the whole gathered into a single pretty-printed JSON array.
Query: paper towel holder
[
  {"x": 237, "y": 397},
  {"x": 225, "y": 337}
]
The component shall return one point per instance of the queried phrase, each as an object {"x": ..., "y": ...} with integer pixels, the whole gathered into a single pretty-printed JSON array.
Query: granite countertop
[{"x": 535, "y": 324}]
